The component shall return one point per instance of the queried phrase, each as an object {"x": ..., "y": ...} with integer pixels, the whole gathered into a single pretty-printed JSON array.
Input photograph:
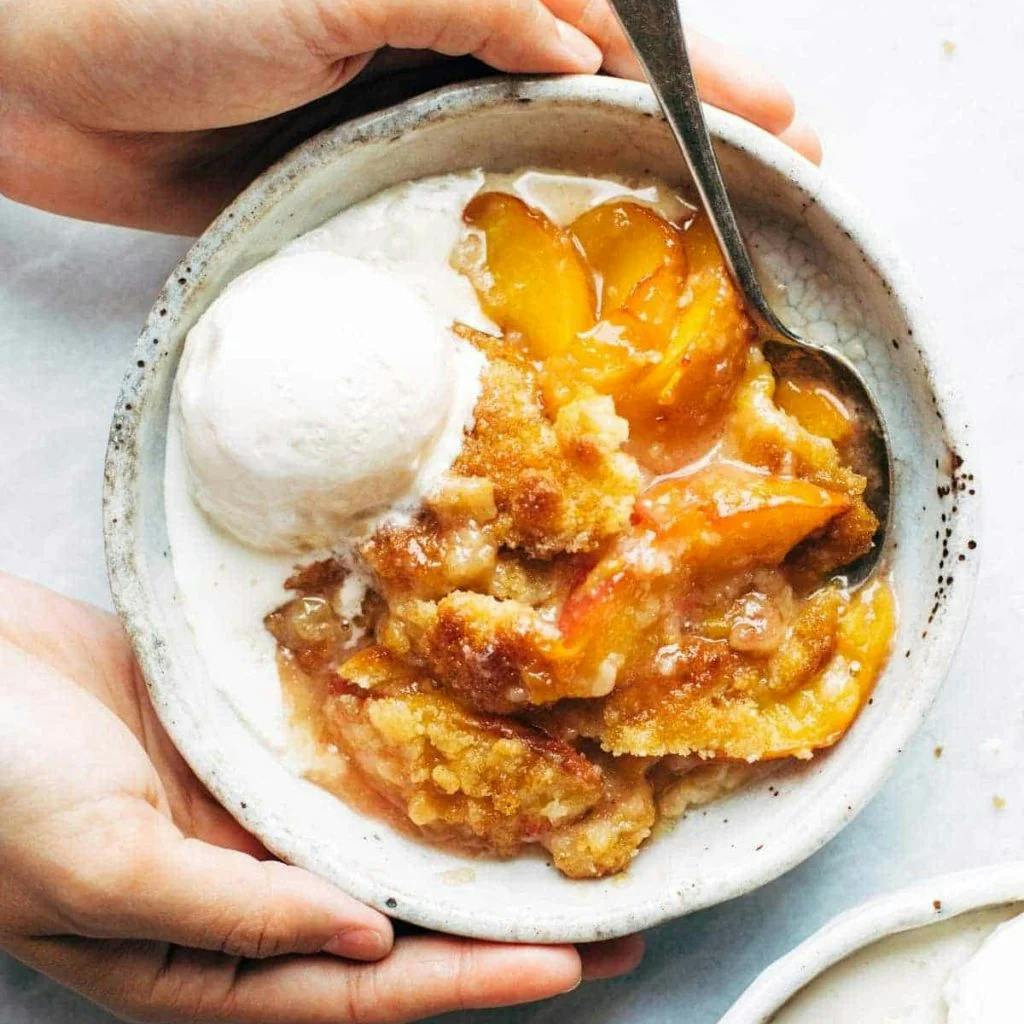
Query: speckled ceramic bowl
[
  {"x": 926, "y": 903},
  {"x": 844, "y": 286}
]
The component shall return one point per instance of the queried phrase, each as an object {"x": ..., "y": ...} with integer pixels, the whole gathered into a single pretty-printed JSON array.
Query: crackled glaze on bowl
[{"x": 843, "y": 286}]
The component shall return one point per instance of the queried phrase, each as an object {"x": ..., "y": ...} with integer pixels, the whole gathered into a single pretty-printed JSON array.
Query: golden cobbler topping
[{"x": 626, "y": 593}]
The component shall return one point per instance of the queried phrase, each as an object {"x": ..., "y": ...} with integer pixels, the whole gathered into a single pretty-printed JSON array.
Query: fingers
[
  {"x": 423, "y": 976},
  {"x": 435, "y": 974},
  {"x": 577, "y": 35},
  {"x": 725, "y": 78},
  {"x": 595, "y": 18},
  {"x": 804, "y": 139},
  {"x": 512, "y": 35},
  {"x": 612, "y": 958},
  {"x": 165, "y": 887},
  {"x": 735, "y": 83}
]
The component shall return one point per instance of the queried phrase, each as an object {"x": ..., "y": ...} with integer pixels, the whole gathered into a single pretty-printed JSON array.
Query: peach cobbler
[{"x": 627, "y": 591}]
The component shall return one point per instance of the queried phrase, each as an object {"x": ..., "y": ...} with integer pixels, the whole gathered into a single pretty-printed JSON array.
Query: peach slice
[
  {"x": 623, "y": 345},
  {"x": 654, "y": 304},
  {"x": 642, "y": 262},
  {"x": 814, "y": 713},
  {"x": 703, "y": 356},
  {"x": 607, "y": 358},
  {"x": 815, "y": 408},
  {"x": 531, "y": 278},
  {"x": 727, "y": 518},
  {"x": 721, "y": 704},
  {"x": 722, "y": 519},
  {"x": 625, "y": 243}
]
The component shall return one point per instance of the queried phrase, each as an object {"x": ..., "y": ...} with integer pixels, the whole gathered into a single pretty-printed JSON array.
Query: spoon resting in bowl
[{"x": 655, "y": 31}]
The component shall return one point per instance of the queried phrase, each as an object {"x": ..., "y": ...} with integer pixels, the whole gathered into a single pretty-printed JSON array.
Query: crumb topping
[{"x": 624, "y": 595}]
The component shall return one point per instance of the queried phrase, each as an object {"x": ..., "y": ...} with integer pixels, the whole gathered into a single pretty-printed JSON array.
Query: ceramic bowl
[
  {"x": 844, "y": 286},
  {"x": 927, "y": 903}
]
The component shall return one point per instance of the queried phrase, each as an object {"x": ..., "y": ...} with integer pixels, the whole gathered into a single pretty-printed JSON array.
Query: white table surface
[{"x": 920, "y": 108}]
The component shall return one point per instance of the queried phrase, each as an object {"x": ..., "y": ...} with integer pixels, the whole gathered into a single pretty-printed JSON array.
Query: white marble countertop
[{"x": 922, "y": 119}]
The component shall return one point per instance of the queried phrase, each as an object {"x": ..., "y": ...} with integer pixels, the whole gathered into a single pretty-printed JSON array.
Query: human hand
[
  {"x": 154, "y": 114},
  {"x": 122, "y": 878}
]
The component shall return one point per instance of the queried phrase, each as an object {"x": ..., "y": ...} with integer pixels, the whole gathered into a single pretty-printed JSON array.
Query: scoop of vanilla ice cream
[
  {"x": 985, "y": 990},
  {"x": 313, "y": 392}
]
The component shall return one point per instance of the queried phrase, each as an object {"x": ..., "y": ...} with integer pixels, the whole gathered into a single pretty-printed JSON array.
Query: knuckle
[
  {"x": 463, "y": 975},
  {"x": 361, "y": 993},
  {"x": 265, "y": 931},
  {"x": 253, "y": 936},
  {"x": 190, "y": 987},
  {"x": 511, "y": 31},
  {"x": 510, "y": 17}
]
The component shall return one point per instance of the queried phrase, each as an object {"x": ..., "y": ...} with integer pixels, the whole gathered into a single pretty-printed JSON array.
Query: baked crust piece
[{"x": 457, "y": 774}]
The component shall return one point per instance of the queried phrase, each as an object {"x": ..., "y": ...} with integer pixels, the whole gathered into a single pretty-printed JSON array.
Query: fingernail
[
  {"x": 358, "y": 944},
  {"x": 583, "y": 51}
]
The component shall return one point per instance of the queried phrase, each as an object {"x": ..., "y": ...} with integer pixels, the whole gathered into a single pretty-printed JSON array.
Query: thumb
[{"x": 166, "y": 887}]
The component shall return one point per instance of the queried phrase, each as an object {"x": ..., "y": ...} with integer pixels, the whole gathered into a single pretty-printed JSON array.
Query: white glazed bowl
[
  {"x": 926, "y": 903},
  {"x": 844, "y": 286}
]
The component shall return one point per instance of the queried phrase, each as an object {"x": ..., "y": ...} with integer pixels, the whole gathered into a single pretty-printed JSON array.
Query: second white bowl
[{"x": 919, "y": 907}]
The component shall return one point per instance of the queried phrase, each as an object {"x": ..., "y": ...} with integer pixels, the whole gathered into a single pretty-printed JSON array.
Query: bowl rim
[
  {"x": 125, "y": 559},
  {"x": 925, "y": 903}
]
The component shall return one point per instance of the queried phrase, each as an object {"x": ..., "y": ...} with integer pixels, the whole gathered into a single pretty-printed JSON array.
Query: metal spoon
[{"x": 655, "y": 31}]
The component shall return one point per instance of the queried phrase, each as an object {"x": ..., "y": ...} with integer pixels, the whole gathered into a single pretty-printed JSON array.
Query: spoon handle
[{"x": 655, "y": 31}]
